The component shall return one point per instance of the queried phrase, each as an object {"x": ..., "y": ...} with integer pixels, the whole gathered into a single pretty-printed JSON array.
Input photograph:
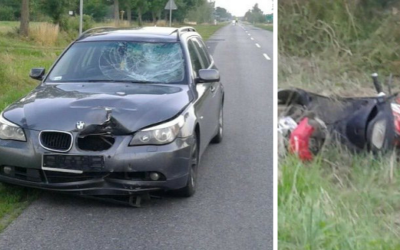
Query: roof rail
[
  {"x": 187, "y": 29},
  {"x": 95, "y": 30},
  {"x": 183, "y": 29}
]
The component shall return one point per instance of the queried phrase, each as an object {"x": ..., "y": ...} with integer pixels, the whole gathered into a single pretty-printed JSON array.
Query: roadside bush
[
  {"x": 6, "y": 13},
  {"x": 71, "y": 24}
]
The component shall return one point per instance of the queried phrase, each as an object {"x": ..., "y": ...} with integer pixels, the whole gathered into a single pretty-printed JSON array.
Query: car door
[
  {"x": 204, "y": 101},
  {"x": 215, "y": 87}
]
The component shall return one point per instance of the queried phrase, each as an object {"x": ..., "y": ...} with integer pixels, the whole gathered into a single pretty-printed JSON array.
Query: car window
[
  {"x": 194, "y": 57},
  {"x": 203, "y": 52},
  {"x": 121, "y": 61}
]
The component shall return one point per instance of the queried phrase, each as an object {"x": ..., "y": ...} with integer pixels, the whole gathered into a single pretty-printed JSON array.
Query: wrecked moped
[{"x": 360, "y": 123}]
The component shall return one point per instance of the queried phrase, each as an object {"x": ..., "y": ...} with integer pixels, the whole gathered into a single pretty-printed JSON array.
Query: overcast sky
[{"x": 240, "y": 7}]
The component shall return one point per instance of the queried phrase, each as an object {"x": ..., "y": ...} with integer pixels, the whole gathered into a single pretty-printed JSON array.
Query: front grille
[{"x": 56, "y": 141}]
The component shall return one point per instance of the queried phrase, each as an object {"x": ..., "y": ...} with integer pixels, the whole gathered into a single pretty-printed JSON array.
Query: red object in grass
[
  {"x": 396, "y": 116},
  {"x": 299, "y": 140}
]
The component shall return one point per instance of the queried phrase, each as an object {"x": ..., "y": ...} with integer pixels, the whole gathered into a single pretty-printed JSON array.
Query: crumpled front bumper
[
  {"x": 125, "y": 172},
  {"x": 102, "y": 186}
]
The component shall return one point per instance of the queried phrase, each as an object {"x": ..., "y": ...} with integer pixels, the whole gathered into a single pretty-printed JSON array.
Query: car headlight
[
  {"x": 10, "y": 131},
  {"x": 160, "y": 134},
  {"x": 378, "y": 134}
]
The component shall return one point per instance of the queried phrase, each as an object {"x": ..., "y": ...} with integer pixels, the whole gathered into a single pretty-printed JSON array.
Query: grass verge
[
  {"x": 339, "y": 201},
  {"x": 17, "y": 57},
  {"x": 269, "y": 27}
]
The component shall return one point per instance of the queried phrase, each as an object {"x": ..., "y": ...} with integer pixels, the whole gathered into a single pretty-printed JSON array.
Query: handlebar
[{"x": 378, "y": 86}]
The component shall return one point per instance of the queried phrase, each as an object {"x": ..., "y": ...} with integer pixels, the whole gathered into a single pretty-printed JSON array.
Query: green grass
[
  {"x": 339, "y": 201},
  {"x": 206, "y": 31},
  {"x": 269, "y": 27},
  {"x": 17, "y": 57},
  {"x": 13, "y": 200}
]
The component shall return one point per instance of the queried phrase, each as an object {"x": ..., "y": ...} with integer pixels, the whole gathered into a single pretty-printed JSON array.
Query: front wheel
[
  {"x": 191, "y": 185},
  {"x": 218, "y": 137}
]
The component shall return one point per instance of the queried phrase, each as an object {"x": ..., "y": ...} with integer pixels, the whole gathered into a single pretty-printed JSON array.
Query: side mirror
[
  {"x": 208, "y": 75},
  {"x": 37, "y": 73}
]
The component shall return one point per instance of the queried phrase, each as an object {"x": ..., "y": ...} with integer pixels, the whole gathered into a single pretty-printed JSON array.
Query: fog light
[
  {"x": 154, "y": 176},
  {"x": 7, "y": 170}
]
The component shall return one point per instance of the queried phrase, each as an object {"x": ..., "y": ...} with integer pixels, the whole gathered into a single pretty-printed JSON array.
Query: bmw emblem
[{"x": 80, "y": 125}]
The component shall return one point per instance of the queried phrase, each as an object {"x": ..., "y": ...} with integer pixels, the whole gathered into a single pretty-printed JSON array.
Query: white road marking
[
  {"x": 249, "y": 34},
  {"x": 252, "y": 38},
  {"x": 267, "y": 57},
  {"x": 258, "y": 45}
]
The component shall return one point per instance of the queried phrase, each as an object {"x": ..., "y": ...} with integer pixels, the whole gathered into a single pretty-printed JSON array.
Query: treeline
[
  {"x": 255, "y": 15},
  {"x": 57, "y": 11}
]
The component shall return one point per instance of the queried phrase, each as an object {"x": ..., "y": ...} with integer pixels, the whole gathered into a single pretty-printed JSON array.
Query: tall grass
[
  {"x": 358, "y": 33},
  {"x": 45, "y": 34},
  {"x": 339, "y": 201}
]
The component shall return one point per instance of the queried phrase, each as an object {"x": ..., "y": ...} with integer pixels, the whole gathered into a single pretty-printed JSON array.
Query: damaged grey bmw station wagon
[{"x": 121, "y": 112}]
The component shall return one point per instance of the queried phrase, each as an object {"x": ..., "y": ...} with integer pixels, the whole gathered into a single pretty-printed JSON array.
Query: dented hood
[{"x": 131, "y": 106}]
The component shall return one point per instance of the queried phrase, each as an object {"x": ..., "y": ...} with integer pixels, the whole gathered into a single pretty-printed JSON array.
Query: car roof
[{"x": 149, "y": 34}]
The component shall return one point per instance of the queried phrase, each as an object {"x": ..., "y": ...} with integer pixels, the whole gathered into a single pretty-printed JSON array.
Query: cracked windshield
[{"x": 121, "y": 61}]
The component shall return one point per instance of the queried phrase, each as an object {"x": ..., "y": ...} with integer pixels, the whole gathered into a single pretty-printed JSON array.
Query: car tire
[
  {"x": 191, "y": 185},
  {"x": 218, "y": 137}
]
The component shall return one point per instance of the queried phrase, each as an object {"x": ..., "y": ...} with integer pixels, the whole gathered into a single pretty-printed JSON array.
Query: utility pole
[{"x": 80, "y": 17}]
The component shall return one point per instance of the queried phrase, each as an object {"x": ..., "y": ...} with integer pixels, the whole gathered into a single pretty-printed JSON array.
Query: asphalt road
[{"x": 232, "y": 208}]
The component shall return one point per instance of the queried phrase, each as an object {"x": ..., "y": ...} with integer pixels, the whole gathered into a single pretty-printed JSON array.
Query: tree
[
  {"x": 255, "y": 15},
  {"x": 141, "y": 7},
  {"x": 96, "y": 8},
  {"x": 202, "y": 14},
  {"x": 156, "y": 7},
  {"x": 128, "y": 5},
  {"x": 24, "y": 24},
  {"x": 186, "y": 6},
  {"x": 222, "y": 14},
  {"x": 10, "y": 10},
  {"x": 116, "y": 12},
  {"x": 56, "y": 9}
]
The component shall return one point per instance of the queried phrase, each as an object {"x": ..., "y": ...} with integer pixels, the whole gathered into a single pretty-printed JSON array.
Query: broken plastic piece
[
  {"x": 286, "y": 125},
  {"x": 135, "y": 201},
  {"x": 299, "y": 140},
  {"x": 396, "y": 116}
]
